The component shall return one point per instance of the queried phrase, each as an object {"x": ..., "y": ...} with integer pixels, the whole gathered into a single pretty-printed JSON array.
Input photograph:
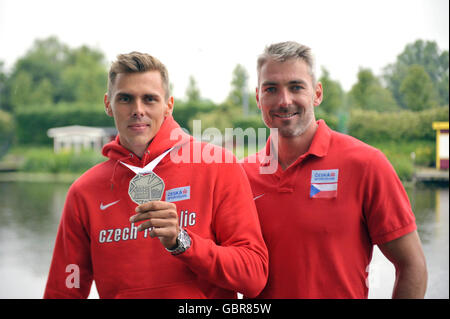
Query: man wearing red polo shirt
[{"x": 330, "y": 198}]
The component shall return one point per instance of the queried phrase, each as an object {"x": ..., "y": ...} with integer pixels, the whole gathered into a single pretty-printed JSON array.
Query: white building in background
[{"x": 81, "y": 137}]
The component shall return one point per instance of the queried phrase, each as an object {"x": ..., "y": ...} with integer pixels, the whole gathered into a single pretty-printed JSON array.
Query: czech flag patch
[{"x": 324, "y": 183}]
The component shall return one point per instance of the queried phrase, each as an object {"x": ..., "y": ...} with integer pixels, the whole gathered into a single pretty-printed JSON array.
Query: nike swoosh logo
[
  {"x": 255, "y": 198},
  {"x": 103, "y": 207}
]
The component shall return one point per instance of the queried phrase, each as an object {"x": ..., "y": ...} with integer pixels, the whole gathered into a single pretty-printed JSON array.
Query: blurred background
[{"x": 384, "y": 66}]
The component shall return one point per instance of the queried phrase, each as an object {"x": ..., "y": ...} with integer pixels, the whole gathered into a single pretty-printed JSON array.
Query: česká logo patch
[
  {"x": 177, "y": 194},
  {"x": 324, "y": 183}
]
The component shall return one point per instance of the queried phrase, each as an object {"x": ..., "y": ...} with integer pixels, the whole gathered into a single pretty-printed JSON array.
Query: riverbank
[
  {"x": 41, "y": 164},
  {"x": 431, "y": 175},
  {"x": 421, "y": 175},
  {"x": 38, "y": 177}
]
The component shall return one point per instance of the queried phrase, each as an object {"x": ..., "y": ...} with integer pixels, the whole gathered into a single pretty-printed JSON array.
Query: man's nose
[
  {"x": 138, "y": 109},
  {"x": 285, "y": 97}
]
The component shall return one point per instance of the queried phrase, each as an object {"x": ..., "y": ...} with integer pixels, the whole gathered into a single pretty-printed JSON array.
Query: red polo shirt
[{"x": 321, "y": 216}]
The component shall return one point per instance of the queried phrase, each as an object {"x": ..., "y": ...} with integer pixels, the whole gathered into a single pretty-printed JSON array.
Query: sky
[{"x": 207, "y": 39}]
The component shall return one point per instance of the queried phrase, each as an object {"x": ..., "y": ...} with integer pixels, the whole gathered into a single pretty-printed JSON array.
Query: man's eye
[
  {"x": 296, "y": 88},
  {"x": 149, "y": 99},
  {"x": 271, "y": 89},
  {"x": 124, "y": 99}
]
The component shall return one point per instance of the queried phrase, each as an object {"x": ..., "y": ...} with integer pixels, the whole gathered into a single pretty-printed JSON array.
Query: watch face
[{"x": 183, "y": 242}]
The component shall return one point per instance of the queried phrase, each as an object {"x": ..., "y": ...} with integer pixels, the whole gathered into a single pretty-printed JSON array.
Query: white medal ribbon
[{"x": 149, "y": 167}]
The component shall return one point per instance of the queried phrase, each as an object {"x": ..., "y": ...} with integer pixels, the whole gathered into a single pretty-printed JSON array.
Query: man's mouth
[
  {"x": 285, "y": 115},
  {"x": 138, "y": 126}
]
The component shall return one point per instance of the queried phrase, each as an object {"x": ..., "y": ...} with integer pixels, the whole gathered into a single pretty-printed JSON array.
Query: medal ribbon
[{"x": 149, "y": 167}]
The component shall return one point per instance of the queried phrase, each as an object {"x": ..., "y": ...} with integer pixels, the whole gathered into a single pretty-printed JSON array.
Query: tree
[
  {"x": 240, "y": 95},
  {"x": 45, "y": 60},
  {"x": 238, "y": 85},
  {"x": 6, "y": 131},
  {"x": 434, "y": 61},
  {"x": 333, "y": 95},
  {"x": 85, "y": 77},
  {"x": 51, "y": 72},
  {"x": 369, "y": 94},
  {"x": 192, "y": 90},
  {"x": 417, "y": 89},
  {"x": 43, "y": 93},
  {"x": 2, "y": 86},
  {"x": 21, "y": 89}
]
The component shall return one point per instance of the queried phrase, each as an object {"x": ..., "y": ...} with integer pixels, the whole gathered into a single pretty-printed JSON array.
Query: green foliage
[
  {"x": 53, "y": 85},
  {"x": 45, "y": 160},
  {"x": 332, "y": 119},
  {"x": 221, "y": 117},
  {"x": 400, "y": 155},
  {"x": 2, "y": 75},
  {"x": 333, "y": 94},
  {"x": 434, "y": 61},
  {"x": 240, "y": 95},
  {"x": 425, "y": 155},
  {"x": 369, "y": 94},
  {"x": 84, "y": 79},
  {"x": 50, "y": 72},
  {"x": 6, "y": 131},
  {"x": 417, "y": 89},
  {"x": 34, "y": 122},
  {"x": 21, "y": 89},
  {"x": 185, "y": 112},
  {"x": 192, "y": 91},
  {"x": 238, "y": 86},
  {"x": 254, "y": 121},
  {"x": 402, "y": 164},
  {"x": 395, "y": 126}
]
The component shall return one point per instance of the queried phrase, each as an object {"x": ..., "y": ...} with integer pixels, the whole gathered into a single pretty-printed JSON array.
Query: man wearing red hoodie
[{"x": 145, "y": 226}]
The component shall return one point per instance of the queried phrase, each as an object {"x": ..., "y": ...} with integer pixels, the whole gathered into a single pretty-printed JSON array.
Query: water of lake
[{"x": 30, "y": 213}]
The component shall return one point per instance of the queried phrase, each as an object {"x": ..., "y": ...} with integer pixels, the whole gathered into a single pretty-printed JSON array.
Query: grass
[
  {"x": 405, "y": 157},
  {"x": 43, "y": 159}
]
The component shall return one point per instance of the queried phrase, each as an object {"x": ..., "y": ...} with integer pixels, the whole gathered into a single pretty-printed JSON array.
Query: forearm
[
  {"x": 239, "y": 268},
  {"x": 410, "y": 282}
]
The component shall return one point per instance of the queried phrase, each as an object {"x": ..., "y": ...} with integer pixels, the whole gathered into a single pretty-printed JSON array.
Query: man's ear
[
  {"x": 107, "y": 103},
  {"x": 169, "y": 109},
  {"x": 318, "y": 94},
  {"x": 257, "y": 97}
]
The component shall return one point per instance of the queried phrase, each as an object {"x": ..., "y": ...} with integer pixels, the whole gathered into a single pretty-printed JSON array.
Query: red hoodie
[{"x": 96, "y": 241}]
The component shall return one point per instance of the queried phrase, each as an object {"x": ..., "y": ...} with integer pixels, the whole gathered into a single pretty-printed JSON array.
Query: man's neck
[
  {"x": 138, "y": 150},
  {"x": 291, "y": 148}
]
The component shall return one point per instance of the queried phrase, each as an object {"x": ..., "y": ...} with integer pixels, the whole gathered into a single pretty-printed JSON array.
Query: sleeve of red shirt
[
  {"x": 239, "y": 259},
  {"x": 386, "y": 204},
  {"x": 71, "y": 259}
]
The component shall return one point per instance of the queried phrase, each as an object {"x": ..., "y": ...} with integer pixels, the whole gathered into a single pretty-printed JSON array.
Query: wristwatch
[{"x": 183, "y": 243}]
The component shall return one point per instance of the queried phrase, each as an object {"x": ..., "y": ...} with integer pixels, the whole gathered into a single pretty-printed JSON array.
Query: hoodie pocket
[{"x": 183, "y": 290}]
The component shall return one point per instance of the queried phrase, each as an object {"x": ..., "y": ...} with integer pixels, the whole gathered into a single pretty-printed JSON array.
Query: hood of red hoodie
[{"x": 169, "y": 135}]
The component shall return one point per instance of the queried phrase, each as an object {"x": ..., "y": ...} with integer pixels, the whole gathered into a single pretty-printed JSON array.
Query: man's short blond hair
[
  {"x": 134, "y": 62},
  {"x": 284, "y": 51}
]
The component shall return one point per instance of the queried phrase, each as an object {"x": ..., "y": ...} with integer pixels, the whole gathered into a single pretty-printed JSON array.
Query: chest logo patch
[
  {"x": 177, "y": 194},
  {"x": 324, "y": 183}
]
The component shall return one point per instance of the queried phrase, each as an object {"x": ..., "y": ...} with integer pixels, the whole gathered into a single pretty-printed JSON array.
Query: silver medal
[{"x": 146, "y": 187}]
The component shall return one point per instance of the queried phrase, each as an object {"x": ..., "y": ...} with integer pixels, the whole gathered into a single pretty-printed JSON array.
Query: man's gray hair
[{"x": 284, "y": 51}]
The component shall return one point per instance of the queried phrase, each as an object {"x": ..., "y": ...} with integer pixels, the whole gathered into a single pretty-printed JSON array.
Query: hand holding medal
[
  {"x": 161, "y": 219},
  {"x": 146, "y": 189}
]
